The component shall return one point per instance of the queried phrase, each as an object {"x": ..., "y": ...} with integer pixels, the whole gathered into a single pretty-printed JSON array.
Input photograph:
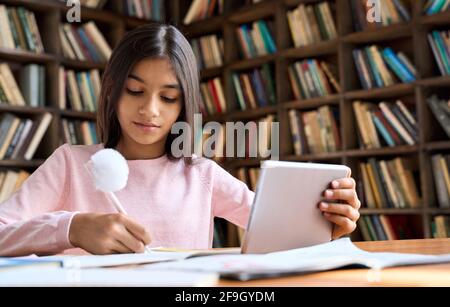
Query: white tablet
[{"x": 285, "y": 212}]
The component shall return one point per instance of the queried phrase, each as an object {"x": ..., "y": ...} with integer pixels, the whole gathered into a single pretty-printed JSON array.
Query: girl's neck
[{"x": 135, "y": 151}]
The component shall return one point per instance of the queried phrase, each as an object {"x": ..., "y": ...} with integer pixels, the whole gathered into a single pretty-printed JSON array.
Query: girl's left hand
[{"x": 344, "y": 214}]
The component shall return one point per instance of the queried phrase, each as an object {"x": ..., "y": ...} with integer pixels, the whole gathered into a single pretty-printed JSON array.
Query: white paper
[
  {"x": 91, "y": 261},
  {"x": 334, "y": 254},
  {"x": 105, "y": 277}
]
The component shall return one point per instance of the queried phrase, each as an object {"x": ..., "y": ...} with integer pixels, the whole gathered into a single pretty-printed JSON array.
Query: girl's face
[{"x": 150, "y": 104}]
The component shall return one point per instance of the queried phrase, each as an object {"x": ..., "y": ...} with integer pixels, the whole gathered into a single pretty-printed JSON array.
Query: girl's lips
[{"x": 147, "y": 127}]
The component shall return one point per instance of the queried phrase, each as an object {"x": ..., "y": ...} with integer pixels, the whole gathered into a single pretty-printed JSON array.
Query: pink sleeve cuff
[{"x": 62, "y": 234}]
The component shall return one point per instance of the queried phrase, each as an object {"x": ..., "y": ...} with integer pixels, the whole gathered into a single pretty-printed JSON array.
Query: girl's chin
[{"x": 145, "y": 141}]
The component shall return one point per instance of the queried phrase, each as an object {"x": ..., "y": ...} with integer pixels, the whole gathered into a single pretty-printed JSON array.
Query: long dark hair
[{"x": 154, "y": 40}]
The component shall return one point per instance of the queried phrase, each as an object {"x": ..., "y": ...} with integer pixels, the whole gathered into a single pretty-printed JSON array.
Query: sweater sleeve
[
  {"x": 231, "y": 198},
  {"x": 30, "y": 222}
]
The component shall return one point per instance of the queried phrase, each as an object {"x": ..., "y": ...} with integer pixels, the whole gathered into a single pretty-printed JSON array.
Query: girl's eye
[
  {"x": 134, "y": 93},
  {"x": 167, "y": 99}
]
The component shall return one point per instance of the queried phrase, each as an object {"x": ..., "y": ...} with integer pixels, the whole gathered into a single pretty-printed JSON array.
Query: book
[
  {"x": 310, "y": 24},
  {"x": 44, "y": 122},
  {"x": 10, "y": 83},
  {"x": 437, "y": 109}
]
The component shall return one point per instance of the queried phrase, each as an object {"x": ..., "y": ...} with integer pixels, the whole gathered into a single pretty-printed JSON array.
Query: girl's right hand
[{"x": 107, "y": 233}]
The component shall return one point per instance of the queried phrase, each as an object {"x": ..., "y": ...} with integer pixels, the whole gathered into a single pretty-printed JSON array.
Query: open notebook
[
  {"x": 16, "y": 264},
  {"x": 333, "y": 255},
  {"x": 49, "y": 277},
  {"x": 93, "y": 261}
]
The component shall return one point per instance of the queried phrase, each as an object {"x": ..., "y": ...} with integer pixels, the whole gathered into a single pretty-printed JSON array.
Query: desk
[{"x": 422, "y": 275}]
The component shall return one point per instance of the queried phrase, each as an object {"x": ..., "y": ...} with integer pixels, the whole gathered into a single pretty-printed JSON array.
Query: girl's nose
[{"x": 150, "y": 108}]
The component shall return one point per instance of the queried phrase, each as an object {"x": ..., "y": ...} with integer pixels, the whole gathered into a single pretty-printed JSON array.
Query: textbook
[{"x": 323, "y": 257}]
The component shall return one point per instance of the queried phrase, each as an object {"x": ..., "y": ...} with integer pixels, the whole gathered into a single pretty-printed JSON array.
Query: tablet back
[{"x": 285, "y": 213}]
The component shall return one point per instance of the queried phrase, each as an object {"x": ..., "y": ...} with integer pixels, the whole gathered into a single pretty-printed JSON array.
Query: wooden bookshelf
[
  {"x": 49, "y": 14},
  {"x": 405, "y": 36}
]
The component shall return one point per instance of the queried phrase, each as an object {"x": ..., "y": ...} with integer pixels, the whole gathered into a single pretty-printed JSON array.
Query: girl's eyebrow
[
  {"x": 132, "y": 76},
  {"x": 174, "y": 86}
]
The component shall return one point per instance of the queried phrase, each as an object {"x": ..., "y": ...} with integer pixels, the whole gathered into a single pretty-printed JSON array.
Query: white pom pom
[{"x": 110, "y": 170}]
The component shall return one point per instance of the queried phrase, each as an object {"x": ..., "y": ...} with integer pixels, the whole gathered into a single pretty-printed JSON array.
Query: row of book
[
  {"x": 19, "y": 29},
  {"x": 311, "y": 24},
  {"x": 385, "y": 227},
  {"x": 315, "y": 131},
  {"x": 213, "y": 97},
  {"x": 84, "y": 43},
  {"x": 144, "y": 9},
  {"x": 255, "y": 88},
  {"x": 78, "y": 132},
  {"x": 254, "y": 143},
  {"x": 440, "y": 226},
  {"x": 208, "y": 50},
  {"x": 256, "y": 39},
  {"x": 309, "y": 79},
  {"x": 20, "y": 137},
  {"x": 379, "y": 68},
  {"x": 211, "y": 144},
  {"x": 440, "y": 164},
  {"x": 436, "y": 6},
  {"x": 79, "y": 91},
  {"x": 30, "y": 91},
  {"x": 388, "y": 184},
  {"x": 224, "y": 233},
  {"x": 95, "y": 4},
  {"x": 248, "y": 175},
  {"x": 10, "y": 182},
  {"x": 389, "y": 12},
  {"x": 385, "y": 124},
  {"x": 440, "y": 46},
  {"x": 202, "y": 9},
  {"x": 441, "y": 111},
  {"x": 258, "y": 144}
]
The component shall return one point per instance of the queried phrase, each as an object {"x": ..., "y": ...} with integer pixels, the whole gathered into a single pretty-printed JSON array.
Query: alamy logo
[
  {"x": 74, "y": 13},
  {"x": 255, "y": 145},
  {"x": 374, "y": 11}
]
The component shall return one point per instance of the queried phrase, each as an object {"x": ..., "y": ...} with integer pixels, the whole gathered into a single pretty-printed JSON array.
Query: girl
[{"x": 150, "y": 82}]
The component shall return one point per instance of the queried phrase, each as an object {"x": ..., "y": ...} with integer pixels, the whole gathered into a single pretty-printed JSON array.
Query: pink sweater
[{"x": 175, "y": 202}]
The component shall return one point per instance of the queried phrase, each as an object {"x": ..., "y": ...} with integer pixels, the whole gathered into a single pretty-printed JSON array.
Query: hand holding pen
[{"x": 109, "y": 170}]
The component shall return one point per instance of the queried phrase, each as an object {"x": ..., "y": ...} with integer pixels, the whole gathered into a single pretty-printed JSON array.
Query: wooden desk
[{"x": 422, "y": 275}]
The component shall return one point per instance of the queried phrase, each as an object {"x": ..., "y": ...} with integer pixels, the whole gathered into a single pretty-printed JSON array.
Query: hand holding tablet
[{"x": 285, "y": 212}]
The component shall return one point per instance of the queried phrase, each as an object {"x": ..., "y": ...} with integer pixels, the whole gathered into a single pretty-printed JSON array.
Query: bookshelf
[
  {"x": 49, "y": 14},
  {"x": 401, "y": 37},
  {"x": 338, "y": 51}
]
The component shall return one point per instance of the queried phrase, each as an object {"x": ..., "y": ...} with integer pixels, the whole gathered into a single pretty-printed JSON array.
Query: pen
[
  {"x": 121, "y": 209},
  {"x": 112, "y": 197}
]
